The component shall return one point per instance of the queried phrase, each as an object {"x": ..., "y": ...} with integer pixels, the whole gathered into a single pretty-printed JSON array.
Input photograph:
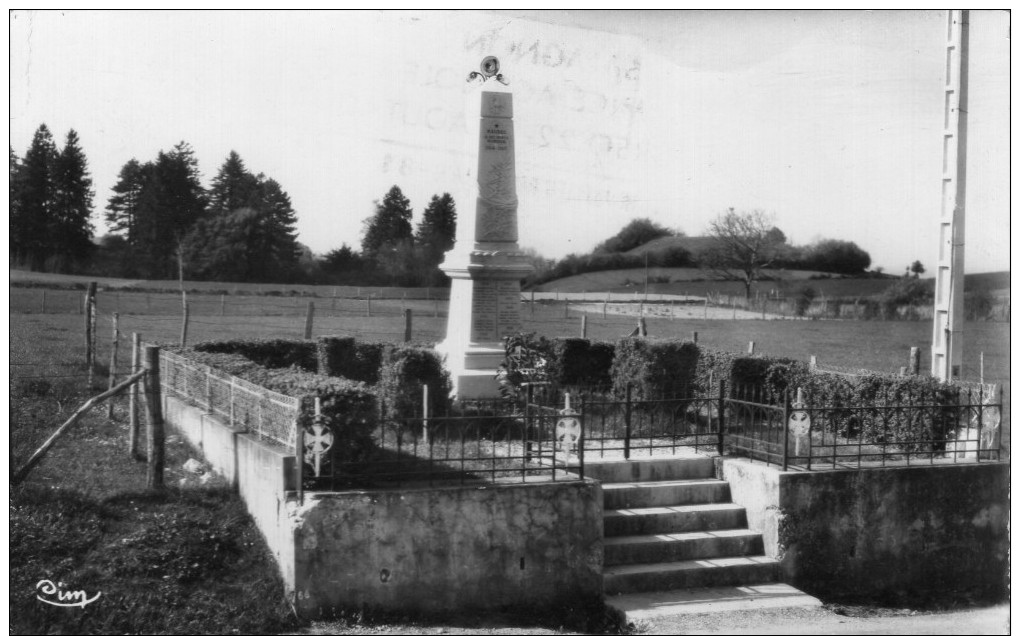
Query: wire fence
[{"x": 242, "y": 404}]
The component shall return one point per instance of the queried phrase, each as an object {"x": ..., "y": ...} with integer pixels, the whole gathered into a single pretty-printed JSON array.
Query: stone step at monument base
[
  {"x": 704, "y": 600},
  {"x": 474, "y": 384}
]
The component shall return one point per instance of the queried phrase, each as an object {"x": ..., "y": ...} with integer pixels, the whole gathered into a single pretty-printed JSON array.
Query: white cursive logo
[{"x": 77, "y": 598}]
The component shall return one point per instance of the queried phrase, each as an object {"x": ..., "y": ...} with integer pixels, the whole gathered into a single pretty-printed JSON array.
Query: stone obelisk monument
[{"x": 486, "y": 264}]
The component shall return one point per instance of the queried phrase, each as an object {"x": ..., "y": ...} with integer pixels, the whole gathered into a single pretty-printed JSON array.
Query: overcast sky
[{"x": 831, "y": 121}]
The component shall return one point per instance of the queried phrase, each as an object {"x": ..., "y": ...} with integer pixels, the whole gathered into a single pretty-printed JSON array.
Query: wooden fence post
[
  {"x": 584, "y": 326},
  {"x": 113, "y": 362},
  {"x": 694, "y": 336},
  {"x": 750, "y": 348},
  {"x": 642, "y": 327},
  {"x": 154, "y": 404},
  {"x": 309, "y": 318},
  {"x": 136, "y": 363},
  {"x": 44, "y": 301},
  {"x": 90, "y": 316},
  {"x": 369, "y": 306},
  {"x": 915, "y": 361},
  {"x": 407, "y": 325},
  {"x": 184, "y": 324},
  {"x": 531, "y": 305}
]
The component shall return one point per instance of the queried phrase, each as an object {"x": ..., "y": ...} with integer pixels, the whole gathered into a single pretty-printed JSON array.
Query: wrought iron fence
[
  {"x": 620, "y": 428},
  {"x": 270, "y": 415},
  {"x": 478, "y": 444},
  {"x": 809, "y": 436}
]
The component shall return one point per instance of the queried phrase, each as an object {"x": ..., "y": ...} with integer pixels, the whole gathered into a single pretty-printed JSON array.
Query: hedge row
[
  {"x": 663, "y": 369},
  {"x": 273, "y": 354},
  {"x": 351, "y": 407},
  {"x": 342, "y": 356}
]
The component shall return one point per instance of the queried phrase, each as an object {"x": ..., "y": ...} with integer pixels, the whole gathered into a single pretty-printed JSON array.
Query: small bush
[{"x": 404, "y": 371}]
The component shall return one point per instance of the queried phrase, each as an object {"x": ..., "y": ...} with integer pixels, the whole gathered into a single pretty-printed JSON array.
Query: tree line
[
  {"x": 163, "y": 224},
  {"x": 50, "y": 204},
  {"x": 394, "y": 253},
  {"x": 736, "y": 246}
]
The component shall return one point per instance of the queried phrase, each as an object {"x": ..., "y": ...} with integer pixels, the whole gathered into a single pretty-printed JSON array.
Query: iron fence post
[
  {"x": 722, "y": 418},
  {"x": 786, "y": 428},
  {"x": 299, "y": 455},
  {"x": 626, "y": 423},
  {"x": 580, "y": 441},
  {"x": 980, "y": 414}
]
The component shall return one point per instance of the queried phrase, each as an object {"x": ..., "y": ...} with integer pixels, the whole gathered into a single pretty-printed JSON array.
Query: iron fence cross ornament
[
  {"x": 568, "y": 430},
  {"x": 800, "y": 422},
  {"x": 318, "y": 440}
]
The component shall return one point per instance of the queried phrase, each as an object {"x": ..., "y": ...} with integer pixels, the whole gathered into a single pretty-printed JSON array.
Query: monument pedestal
[{"x": 485, "y": 299}]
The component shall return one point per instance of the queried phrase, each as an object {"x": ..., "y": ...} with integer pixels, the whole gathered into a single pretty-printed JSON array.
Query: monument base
[{"x": 485, "y": 298}]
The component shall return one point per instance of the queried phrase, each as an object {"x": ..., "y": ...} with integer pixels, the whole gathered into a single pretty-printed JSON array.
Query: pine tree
[
  {"x": 436, "y": 235},
  {"x": 281, "y": 222},
  {"x": 122, "y": 207},
  {"x": 438, "y": 227},
  {"x": 30, "y": 227},
  {"x": 70, "y": 218},
  {"x": 255, "y": 241},
  {"x": 233, "y": 188},
  {"x": 390, "y": 226},
  {"x": 14, "y": 205}
]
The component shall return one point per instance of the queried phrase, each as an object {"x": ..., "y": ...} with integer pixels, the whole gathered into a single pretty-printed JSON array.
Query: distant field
[
  {"x": 690, "y": 280},
  {"x": 24, "y": 278}
]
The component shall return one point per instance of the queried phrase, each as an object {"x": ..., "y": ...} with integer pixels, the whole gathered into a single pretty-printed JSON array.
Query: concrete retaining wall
[
  {"x": 470, "y": 547},
  {"x": 919, "y": 532},
  {"x": 451, "y": 548}
]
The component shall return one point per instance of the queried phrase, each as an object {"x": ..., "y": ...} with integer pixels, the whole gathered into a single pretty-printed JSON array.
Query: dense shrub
[
  {"x": 580, "y": 363},
  {"x": 274, "y": 354},
  {"x": 342, "y": 356},
  {"x": 654, "y": 369},
  {"x": 404, "y": 371}
]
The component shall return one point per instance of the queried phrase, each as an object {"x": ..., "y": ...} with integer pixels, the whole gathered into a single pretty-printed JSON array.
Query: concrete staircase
[{"x": 675, "y": 542}]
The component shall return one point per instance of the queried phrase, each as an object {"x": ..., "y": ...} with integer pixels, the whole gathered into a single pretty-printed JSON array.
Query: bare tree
[{"x": 745, "y": 244}]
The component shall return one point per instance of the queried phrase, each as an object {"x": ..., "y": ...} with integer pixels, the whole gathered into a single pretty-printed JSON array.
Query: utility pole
[{"x": 947, "y": 335}]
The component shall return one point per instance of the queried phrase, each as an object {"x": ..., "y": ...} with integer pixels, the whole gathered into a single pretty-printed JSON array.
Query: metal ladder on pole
[{"x": 947, "y": 336}]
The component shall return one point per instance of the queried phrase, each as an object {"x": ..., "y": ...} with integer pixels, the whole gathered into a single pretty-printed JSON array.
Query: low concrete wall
[
  {"x": 207, "y": 433},
  {"x": 469, "y": 547},
  {"x": 919, "y": 532},
  {"x": 450, "y": 548},
  {"x": 263, "y": 474}
]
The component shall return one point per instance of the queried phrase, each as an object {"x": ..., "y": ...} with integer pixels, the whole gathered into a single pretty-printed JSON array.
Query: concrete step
[
  {"x": 614, "y": 471},
  {"x": 668, "y": 519},
  {"x": 703, "y": 600},
  {"x": 651, "y": 577},
  {"x": 685, "y": 546},
  {"x": 664, "y": 493}
]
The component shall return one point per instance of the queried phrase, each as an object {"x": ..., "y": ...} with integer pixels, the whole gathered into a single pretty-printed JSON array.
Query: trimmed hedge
[
  {"x": 655, "y": 369},
  {"x": 350, "y": 407},
  {"x": 578, "y": 362},
  {"x": 274, "y": 353},
  {"x": 404, "y": 370},
  {"x": 342, "y": 356}
]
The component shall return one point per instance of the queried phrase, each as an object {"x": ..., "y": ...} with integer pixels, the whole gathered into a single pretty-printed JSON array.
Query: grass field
[
  {"x": 83, "y": 517},
  {"x": 698, "y": 282}
]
